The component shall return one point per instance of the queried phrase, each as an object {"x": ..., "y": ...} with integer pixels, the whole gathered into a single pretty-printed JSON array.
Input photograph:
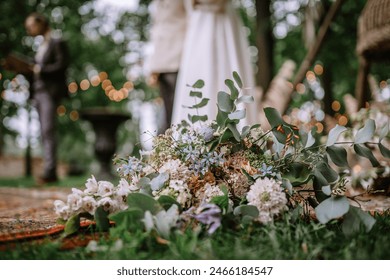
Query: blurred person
[
  {"x": 214, "y": 47},
  {"x": 47, "y": 89},
  {"x": 169, "y": 22}
]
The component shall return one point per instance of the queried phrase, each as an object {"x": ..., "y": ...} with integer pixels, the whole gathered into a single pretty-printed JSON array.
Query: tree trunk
[{"x": 265, "y": 43}]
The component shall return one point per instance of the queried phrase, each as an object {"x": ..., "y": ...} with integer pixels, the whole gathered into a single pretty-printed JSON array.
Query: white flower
[
  {"x": 75, "y": 201},
  {"x": 176, "y": 170},
  {"x": 89, "y": 204},
  {"x": 91, "y": 186},
  {"x": 105, "y": 188},
  {"x": 124, "y": 188},
  {"x": 211, "y": 191},
  {"x": 268, "y": 196},
  {"x": 109, "y": 205},
  {"x": 61, "y": 209}
]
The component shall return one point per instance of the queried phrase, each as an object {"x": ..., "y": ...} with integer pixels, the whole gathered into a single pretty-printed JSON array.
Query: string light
[
  {"x": 343, "y": 120},
  {"x": 61, "y": 110},
  {"x": 310, "y": 76},
  {"x": 301, "y": 88},
  {"x": 74, "y": 115},
  {"x": 84, "y": 84},
  {"x": 95, "y": 81},
  {"x": 336, "y": 106},
  {"x": 318, "y": 69},
  {"x": 320, "y": 127},
  {"x": 72, "y": 87}
]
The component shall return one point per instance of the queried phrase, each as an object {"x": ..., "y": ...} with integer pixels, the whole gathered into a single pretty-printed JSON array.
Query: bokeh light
[
  {"x": 336, "y": 106},
  {"x": 343, "y": 120},
  {"x": 318, "y": 69},
  {"x": 61, "y": 110},
  {"x": 74, "y": 115},
  {"x": 84, "y": 84},
  {"x": 301, "y": 89},
  {"x": 72, "y": 87}
]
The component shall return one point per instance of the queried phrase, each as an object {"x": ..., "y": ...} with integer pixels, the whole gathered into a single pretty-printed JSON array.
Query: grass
[
  {"x": 284, "y": 239},
  {"x": 27, "y": 182}
]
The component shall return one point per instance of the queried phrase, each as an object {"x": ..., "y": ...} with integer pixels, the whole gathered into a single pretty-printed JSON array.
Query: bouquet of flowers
[{"x": 200, "y": 173}]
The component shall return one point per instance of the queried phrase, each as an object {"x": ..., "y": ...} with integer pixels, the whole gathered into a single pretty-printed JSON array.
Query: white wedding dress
[{"x": 215, "y": 46}]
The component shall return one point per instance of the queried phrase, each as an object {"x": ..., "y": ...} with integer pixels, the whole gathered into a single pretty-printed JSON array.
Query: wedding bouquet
[{"x": 202, "y": 172}]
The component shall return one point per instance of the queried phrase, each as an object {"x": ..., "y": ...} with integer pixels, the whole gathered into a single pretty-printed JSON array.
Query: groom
[
  {"x": 168, "y": 30},
  {"x": 47, "y": 89}
]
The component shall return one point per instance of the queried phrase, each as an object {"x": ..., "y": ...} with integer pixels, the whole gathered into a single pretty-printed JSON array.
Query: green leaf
[
  {"x": 196, "y": 94},
  {"x": 297, "y": 174},
  {"x": 246, "y": 210},
  {"x": 158, "y": 182},
  {"x": 195, "y": 118},
  {"x": 325, "y": 174},
  {"x": 234, "y": 131},
  {"x": 237, "y": 115},
  {"x": 366, "y": 133},
  {"x": 326, "y": 190},
  {"x": 72, "y": 225},
  {"x": 355, "y": 219},
  {"x": 332, "y": 208},
  {"x": 245, "y": 99},
  {"x": 385, "y": 152},
  {"x": 101, "y": 219},
  {"x": 245, "y": 130},
  {"x": 225, "y": 104},
  {"x": 167, "y": 201},
  {"x": 143, "y": 202},
  {"x": 334, "y": 133},
  {"x": 221, "y": 118},
  {"x": 310, "y": 140},
  {"x": 287, "y": 185},
  {"x": 338, "y": 155},
  {"x": 233, "y": 90},
  {"x": 273, "y": 116},
  {"x": 222, "y": 201},
  {"x": 363, "y": 151},
  {"x": 128, "y": 219},
  {"x": 198, "y": 84},
  {"x": 384, "y": 132},
  {"x": 237, "y": 79},
  {"x": 201, "y": 104}
]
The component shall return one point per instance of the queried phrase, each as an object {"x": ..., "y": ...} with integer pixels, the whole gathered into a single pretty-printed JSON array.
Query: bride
[{"x": 214, "y": 47}]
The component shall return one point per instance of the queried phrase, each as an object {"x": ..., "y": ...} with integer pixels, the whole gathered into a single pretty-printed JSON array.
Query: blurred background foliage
[{"x": 109, "y": 45}]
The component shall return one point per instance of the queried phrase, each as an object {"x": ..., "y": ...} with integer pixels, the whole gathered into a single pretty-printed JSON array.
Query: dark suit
[{"x": 48, "y": 88}]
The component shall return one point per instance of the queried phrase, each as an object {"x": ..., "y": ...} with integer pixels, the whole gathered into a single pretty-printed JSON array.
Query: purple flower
[{"x": 210, "y": 215}]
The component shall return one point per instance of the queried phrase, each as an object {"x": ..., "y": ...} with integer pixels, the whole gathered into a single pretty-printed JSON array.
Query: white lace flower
[
  {"x": 61, "y": 209},
  {"x": 176, "y": 170},
  {"x": 75, "y": 201},
  {"x": 211, "y": 191},
  {"x": 109, "y": 205},
  {"x": 89, "y": 204},
  {"x": 268, "y": 196},
  {"x": 91, "y": 186},
  {"x": 123, "y": 188},
  {"x": 105, "y": 188}
]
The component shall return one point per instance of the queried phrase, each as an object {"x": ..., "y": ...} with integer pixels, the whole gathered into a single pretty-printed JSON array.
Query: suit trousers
[
  {"x": 167, "y": 84},
  {"x": 46, "y": 107}
]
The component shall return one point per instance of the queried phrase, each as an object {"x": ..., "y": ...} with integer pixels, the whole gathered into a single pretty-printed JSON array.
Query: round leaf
[{"x": 332, "y": 208}]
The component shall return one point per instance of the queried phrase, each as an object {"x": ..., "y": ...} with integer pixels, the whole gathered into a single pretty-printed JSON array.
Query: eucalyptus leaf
[
  {"x": 332, "y": 208},
  {"x": 233, "y": 90},
  {"x": 198, "y": 84},
  {"x": 325, "y": 173},
  {"x": 72, "y": 225},
  {"x": 167, "y": 201},
  {"x": 225, "y": 104},
  {"x": 287, "y": 185},
  {"x": 221, "y": 118},
  {"x": 385, "y": 151},
  {"x": 234, "y": 131},
  {"x": 237, "y": 115},
  {"x": 201, "y": 104},
  {"x": 245, "y": 99},
  {"x": 384, "y": 132},
  {"x": 334, "y": 134},
  {"x": 273, "y": 116},
  {"x": 310, "y": 140},
  {"x": 245, "y": 130},
  {"x": 195, "y": 118},
  {"x": 366, "y": 133},
  {"x": 237, "y": 79},
  {"x": 158, "y": 182},
  {"x": 297, "y": 174},
  {"x": 338, "y": 155},
  {"x": 246, "y": 210},
  {"x": 101, "y": 219},
  {"x": 143, "y": 202},
  {"x": 355, "y": 219},
  {"x": 128, "y": 219},
  {"x": 326, "y": 190},
  {"x": 363, "y": 151},
  {"x": 196, "y": 94}
]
